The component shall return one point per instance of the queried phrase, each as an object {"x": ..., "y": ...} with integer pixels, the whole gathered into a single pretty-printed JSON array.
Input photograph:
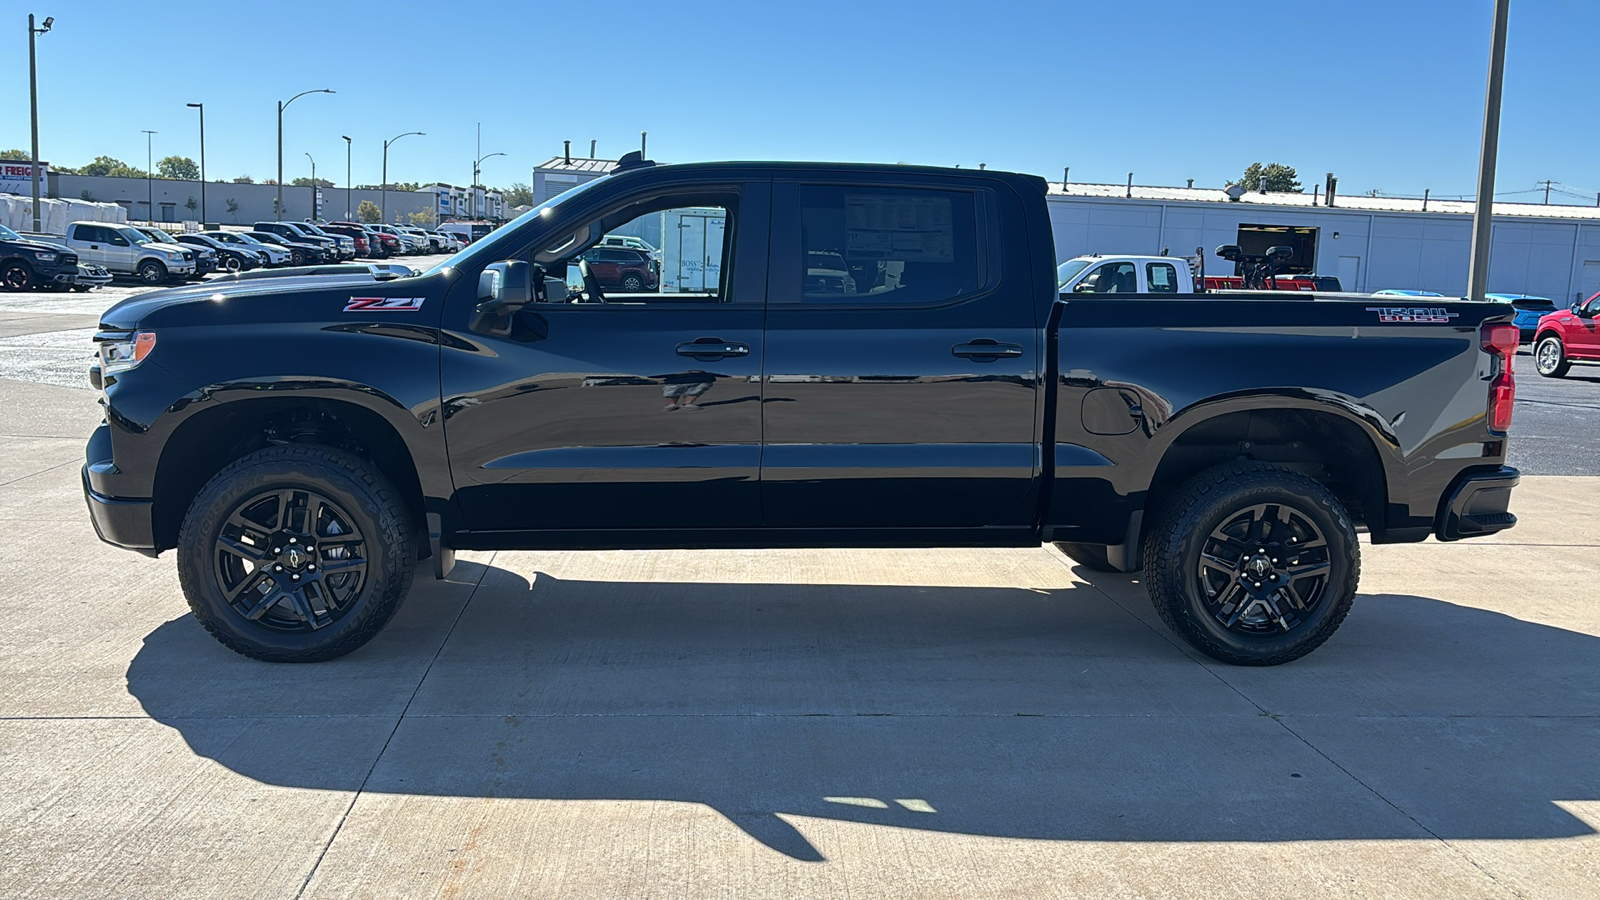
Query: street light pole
[
  {"x": 202, "y": 108},
  {"x": 346, "y": 176},
  {"x": 277, "y": 214},
  {"x": 476, "y": 187},
  {"x": 149, "y": 184},
  {"x": 313, "y": 187},
  {"x": 33, "y": 102},
  {"x": 384, "y": 212},
  {"x": 1483, "y": 210}
]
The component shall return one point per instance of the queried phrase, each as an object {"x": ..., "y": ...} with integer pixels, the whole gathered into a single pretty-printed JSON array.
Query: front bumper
[
  {"x": 1477, "y": 505},
  {"x": 129, "y": 524}
]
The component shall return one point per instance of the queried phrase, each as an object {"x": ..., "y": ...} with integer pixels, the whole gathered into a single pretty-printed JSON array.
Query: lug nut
[
  {"x": 277, "y": 568},
  {"x": 1258, "y": 584},
  {"x": 294, "y": 540},
  {"x": 277, "y": 549},
  {"x": 295, "y": 577},
  {"x": 311, "y": 568}
]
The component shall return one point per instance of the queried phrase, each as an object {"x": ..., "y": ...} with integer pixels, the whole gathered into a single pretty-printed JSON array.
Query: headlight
[
  {"x": 44, "y": 256},
  {"x": 175, "y": 255},
  {"x": 120, "y": 356}
]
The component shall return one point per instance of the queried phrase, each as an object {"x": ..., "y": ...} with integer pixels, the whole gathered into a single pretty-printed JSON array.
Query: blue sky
[{"x": 1388, "y": 95}]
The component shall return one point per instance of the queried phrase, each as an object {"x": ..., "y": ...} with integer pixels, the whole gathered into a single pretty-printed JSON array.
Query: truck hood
[
  {"x": 283, "y": 289},
  {"x": 35, "y": 244}
]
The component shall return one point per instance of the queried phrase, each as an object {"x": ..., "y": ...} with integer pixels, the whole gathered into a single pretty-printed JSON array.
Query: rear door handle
[
  {"x": 983, "y": 348},
  {"x": 712, "y": 348}
]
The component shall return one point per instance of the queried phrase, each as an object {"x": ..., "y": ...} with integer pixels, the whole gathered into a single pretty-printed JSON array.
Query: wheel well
[
  {"x": 207, "y": 443},
  {"x": 1548, "y": 332},
  {"x": 1320, "y": 445}
]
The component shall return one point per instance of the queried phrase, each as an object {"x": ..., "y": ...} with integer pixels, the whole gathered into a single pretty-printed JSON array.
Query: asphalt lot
[{"x": 932, "y": 723}]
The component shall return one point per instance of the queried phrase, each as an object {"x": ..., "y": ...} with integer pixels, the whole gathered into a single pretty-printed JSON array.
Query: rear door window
[
  {"x": 1163, "y": 278},
  {"x": 887, "y": 245}
]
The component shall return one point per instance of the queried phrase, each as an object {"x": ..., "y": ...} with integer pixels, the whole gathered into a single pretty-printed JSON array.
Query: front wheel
[
  {"x": 1252, "y": 564},
  {"x": 1550, "y": 358},
  {"x": 233, "y": 264},
  {"x": 296, "y": 553},
  {"x": 16, "y": 276},
  {"x": 152, "y": 272}
]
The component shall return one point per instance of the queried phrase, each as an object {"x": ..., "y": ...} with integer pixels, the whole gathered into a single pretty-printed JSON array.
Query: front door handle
[
  {"x": 712, "y": 348},
  {"x": 983, "y": 348}
]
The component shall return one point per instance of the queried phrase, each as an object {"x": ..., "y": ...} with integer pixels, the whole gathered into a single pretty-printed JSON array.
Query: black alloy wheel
[
  {"x": 17, "y": 276},
  {"x": 290, "y": 559},
  {"x": 1264, "y": 569}
]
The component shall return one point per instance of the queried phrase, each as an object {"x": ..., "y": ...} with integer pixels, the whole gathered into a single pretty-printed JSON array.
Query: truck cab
[{"x": 1126, "y": 275}]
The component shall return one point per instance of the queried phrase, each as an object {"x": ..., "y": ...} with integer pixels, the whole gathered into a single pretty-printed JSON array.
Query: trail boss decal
[
  {"x": 1425, "y": 315},
  {"x": 384, "y": 304}
]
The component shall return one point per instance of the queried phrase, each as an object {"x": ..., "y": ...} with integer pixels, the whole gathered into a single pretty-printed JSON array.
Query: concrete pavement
[{"x": 951, "y": 723}]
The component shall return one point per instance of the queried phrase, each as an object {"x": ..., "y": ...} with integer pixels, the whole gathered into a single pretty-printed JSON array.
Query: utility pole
[
  {"x": 313, "y": 187},
  {"x": 277, "y": 213},
  {"x": 149, "y": 184},
  {"x": 202, "y": 108},
  {"x": 1483, "y": 210},
  {"x": 346, "y": 176},
  {"x": 33, "y": 103},
  {"x": 384, "y": 214},
  {"x": 1547, "y": 185}
]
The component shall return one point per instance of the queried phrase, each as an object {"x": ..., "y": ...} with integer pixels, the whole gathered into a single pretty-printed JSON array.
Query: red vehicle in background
[
  {"x": 364, "y": 246},
  {"x": 388, "y": 245},
  {"x": 619, "y": 267},
  {"x": 1567, "y": 336}
]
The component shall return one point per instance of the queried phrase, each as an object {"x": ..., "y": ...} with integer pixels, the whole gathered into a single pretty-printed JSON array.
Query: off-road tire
[
  {"x": 152, "y": 271},
  {"x": 16, "y": 276},
  {"x": 372, "y": 501},
  {"x": 1172, "y": 560},
  {"x": 1090, "y": 556},
  {"x": 1550, "y": 357}
]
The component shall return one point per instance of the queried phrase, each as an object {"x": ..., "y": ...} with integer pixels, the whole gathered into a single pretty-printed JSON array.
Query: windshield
[
  {"x": 499, "y": 244},
  {"x": 8, "y": 234},
  {"x": 1069, "y": 270},
  {"x": 136, "y": 236}
]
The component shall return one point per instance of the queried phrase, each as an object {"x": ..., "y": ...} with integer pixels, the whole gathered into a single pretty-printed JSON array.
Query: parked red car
[
  {"x": 387, "y": 244},
  {"x": 359, "y": 235},
  {"x": 1567, "y": 336},
  {"x": 624, "y": 268}
]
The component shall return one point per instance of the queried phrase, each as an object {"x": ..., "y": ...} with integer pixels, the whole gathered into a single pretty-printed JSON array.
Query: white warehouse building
[{"x": 1369, "y": 243}]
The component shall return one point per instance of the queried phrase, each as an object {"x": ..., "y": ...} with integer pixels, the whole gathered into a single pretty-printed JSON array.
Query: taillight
[{"x": 1501, "y": 342}]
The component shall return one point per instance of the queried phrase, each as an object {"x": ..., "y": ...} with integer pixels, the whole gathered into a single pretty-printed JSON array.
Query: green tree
[
  {"x": 303, "y": 181},
  {"x": 518, "y": 194},
  {"x": 178, "y": 168},
  {"x": 368, "y": 212},
  {"x": 1275, "y": 178},
  {"x": 111, "y": 167},
  {"x": 244, "y": 179},
  {"x": 403, "y": 185},
  {"x": 14, "y": 155},
  {"x": 427, "y": 218},
  {"x": 233, "y": 209}
]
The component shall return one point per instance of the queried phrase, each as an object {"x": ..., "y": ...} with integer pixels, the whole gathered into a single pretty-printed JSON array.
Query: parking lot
[{"x": 793, "y": 723}]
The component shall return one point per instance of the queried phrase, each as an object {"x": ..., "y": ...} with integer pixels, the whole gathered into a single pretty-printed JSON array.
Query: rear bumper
[
  {"x": 128, "y": 524},
  {"x": 1477, "y": 505}
]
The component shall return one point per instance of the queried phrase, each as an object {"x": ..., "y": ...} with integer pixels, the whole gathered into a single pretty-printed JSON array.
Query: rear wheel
[
  {"x": 152, "y": 271},
  {"x": 1253, "y": 565},
  {"x": 296, "y": 553},
  {"x": 16, "y": 276},
  {"x": 632, "y": 283},
  {"x": 1550, "y": 358},
  {"x": 297, "y": 258},
  {"x": 232, "y": 264}
]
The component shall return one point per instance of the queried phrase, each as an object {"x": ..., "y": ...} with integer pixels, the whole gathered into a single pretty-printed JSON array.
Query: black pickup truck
[
  {"x": 833, "y": 356},
  {"x": 29, "y": 263}
]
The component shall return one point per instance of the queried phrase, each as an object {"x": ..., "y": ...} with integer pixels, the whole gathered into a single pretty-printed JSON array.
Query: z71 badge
[
  {"x": 384, "y": 304},
  {"x": 1426, "y": 315}
]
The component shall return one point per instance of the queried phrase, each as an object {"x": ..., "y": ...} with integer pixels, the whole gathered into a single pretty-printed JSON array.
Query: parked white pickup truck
[
  {"x": 127, "y": 251},
  {"x": 1126, "y": 275}
]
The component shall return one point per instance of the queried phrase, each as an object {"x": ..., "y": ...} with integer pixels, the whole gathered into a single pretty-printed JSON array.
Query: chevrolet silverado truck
[{"x": 303, "y": 441}]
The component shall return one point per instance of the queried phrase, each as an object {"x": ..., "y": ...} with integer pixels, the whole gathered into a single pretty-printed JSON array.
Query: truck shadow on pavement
[{"x": 1053, "y": 714}]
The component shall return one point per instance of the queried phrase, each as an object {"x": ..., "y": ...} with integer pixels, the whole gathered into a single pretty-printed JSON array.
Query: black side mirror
[
  {"x": 1229, "y": 252},
  {"x": 504, "y": 287}
]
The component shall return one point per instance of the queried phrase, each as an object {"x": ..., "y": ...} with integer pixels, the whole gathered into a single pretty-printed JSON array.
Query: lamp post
[
  {"x": 202, "y": 108},
  {"x": 346, "y": 176},
  {"x": 1483, "y": 210},
  {"x": 277, "y": 214},
  {"x": 149, "y": 185},
  {"x": 313, "y": 187},
  {"x": 384, "y": 212},
  {"x": 475, "y": 186},
  {"x": 33, "y": 102}
]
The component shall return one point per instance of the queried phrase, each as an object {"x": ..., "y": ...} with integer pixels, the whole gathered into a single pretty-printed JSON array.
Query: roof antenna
[{"x": 642, "y": 136}]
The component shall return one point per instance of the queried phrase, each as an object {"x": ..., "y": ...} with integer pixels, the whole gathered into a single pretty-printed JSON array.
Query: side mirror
[
  {"x": 1229, "y": 252},
  {"x": 504, "y": 287}
]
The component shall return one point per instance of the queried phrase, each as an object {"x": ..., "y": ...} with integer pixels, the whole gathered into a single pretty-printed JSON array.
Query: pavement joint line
[
  {"x": 44, "y": 471},
  {"x": 1278, "y": 718},
  {"x": 345, "y": 816}
]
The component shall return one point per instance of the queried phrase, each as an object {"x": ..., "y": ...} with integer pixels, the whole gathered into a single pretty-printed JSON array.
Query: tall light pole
[
  {"x": 202, "y": 108},
  {"x": 1483, "y": 210},
  {"x": 313, "y": 187},
  {"x": 277, "y": 214},
  {"x": 384, "y": 212},
  {"x": 149, "y": 184},
  {"x": 33, "y": 101},
  {"x": 475, "y": 185},
  {"x": 346, "y": 176}
]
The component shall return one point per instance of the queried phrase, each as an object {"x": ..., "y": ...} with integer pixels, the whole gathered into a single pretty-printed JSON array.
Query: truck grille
[{"x": 69, "y": 259}]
